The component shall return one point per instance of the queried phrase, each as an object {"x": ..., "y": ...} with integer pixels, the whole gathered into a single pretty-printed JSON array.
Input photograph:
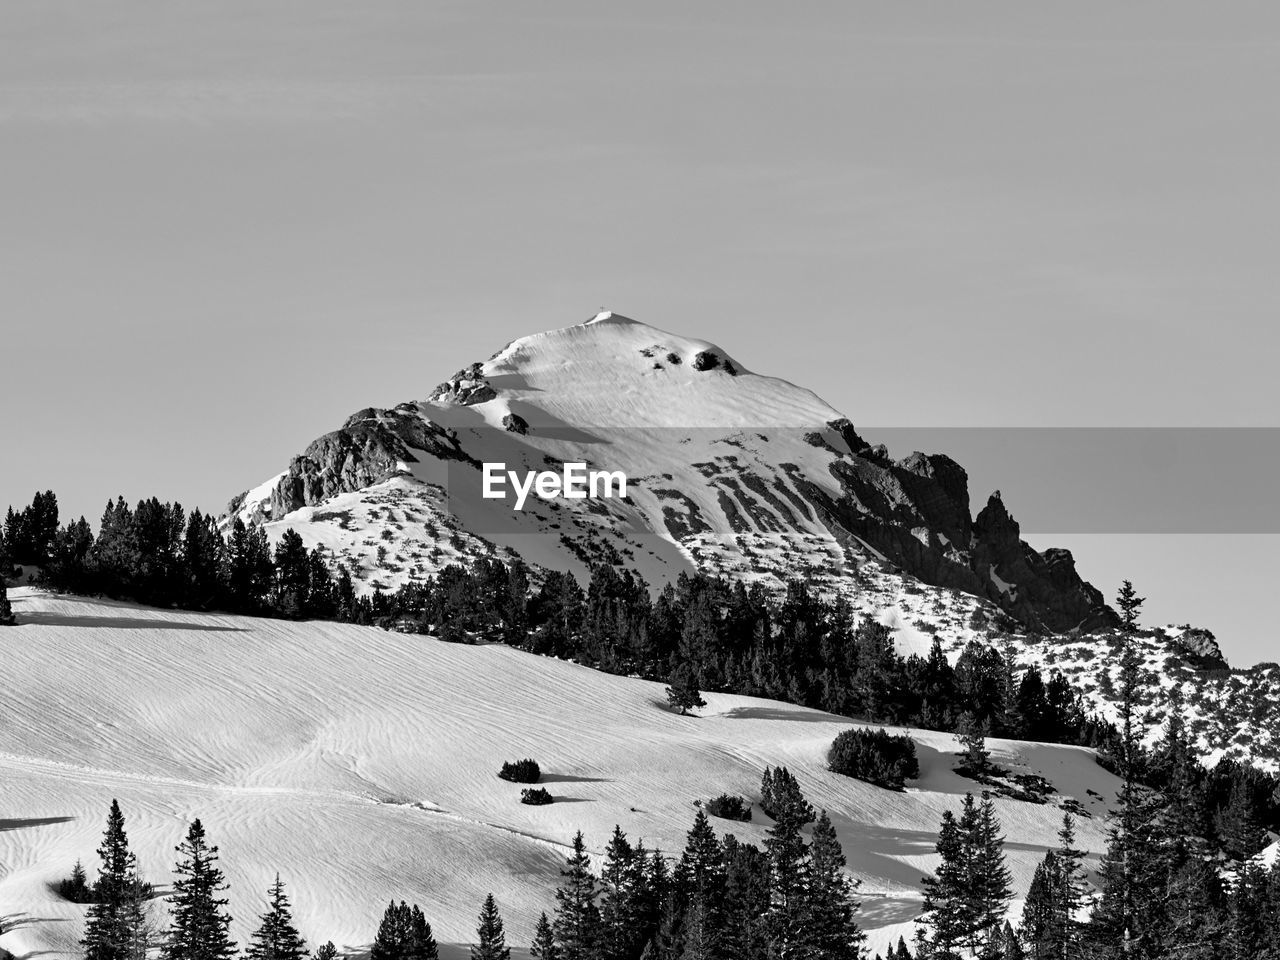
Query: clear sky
[{"x": 227, "y": 224}]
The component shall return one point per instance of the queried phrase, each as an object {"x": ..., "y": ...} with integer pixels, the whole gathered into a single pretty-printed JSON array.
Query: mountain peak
[{"x": 608, "y": 316}]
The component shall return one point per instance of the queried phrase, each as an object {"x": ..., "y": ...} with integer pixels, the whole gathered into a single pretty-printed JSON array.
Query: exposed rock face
[
  {"x": 916, "y": 513},
  {"x": 514, "y": 423},
  {"x": 370, "y": 447},
  {"x": 1198, "y": 644},
  {"x": 466, "y": 387}
]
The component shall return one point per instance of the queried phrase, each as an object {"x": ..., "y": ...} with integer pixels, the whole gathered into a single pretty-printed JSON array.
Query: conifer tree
[
  {"x": 544, "y": 941},
  {"x": 277, "y": 938},
  {"x": 972, "y": 734},
  {"x": 393, "y": 933},
  {"x": 198, "y": 922},
  {"x": 1242, "y": 834},
  {"x": 1072, "y": 890},
  {"x": 577, "y": 924},
  {"x": 421, "y": 943},
  {"x": 7, "y": 618},
  {"x": 624, "y": 925},
  {"x": 968, "y": 894},
  {"x": 1253, "y": 921},
  {"x": 700, "y": 875},
  {"x": 116, "y": 927},
  {"x": 1130, "y": 605},
  {"x": 404, "y": 934},
  {"x": 789, "y": 875},
  {"x": 491, "y": 941},
  {"x": 76, "y": 888},
  {"x": 1128, "y": 913},
  {"x": 990, "y": 880},
  {"x": 326, "y": 951},
  {"x": 946, "y": 908},
  {"x": 1041, "y": 928},
  {"x": 833, "y": 932},
  {"x": 683, "y": 693},
  {"x": 746, "y": 901},
  {"x": 1010, "y": 947}
]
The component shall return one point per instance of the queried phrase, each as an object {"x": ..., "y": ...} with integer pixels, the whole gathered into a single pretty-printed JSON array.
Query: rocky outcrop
[
  {"x": 466, "y": 387},
  {"x": 915, "y": 512},
  {"x": 370, "y": 447},
  {"x": 1198, "y": 645},
  {"x": 514, "y": 423}
]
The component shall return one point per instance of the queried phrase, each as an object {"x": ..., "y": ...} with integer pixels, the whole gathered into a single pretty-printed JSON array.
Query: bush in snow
[
  {"x": 535, "y": 797},
  {"x": 520, "y": 771},
  {"x": 705, "y": 360},
  {"x": 874, "y": 756},
  {"x": 729, "y": 807}
]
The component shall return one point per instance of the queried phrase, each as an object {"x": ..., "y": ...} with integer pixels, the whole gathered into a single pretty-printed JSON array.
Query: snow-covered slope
[{"x": 361, "y": 765}]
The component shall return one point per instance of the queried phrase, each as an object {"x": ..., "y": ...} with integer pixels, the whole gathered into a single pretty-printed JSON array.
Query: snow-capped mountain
[
  {"x": 727, "y": 470},
  {"x": 730, "y": 472}
]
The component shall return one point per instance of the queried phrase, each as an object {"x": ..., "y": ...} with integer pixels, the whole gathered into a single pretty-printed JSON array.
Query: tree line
[
  {"x": 698, "y": 633},
  {"x": 720, "y": 635}
]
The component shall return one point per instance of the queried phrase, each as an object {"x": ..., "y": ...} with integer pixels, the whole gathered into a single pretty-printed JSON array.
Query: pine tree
[
  {"x": 1242, "y": 834},
  {"x": 1072, "y": 890},
  {"x": 116, "y": 927},
  {"x": 683, "y": 693},
  {"x": 577, "y": 924},
  {"x": 787, "y": 917},
  {"x": 833, "y": 932},
  {"x": 946, "y": 910},
  {"x": 421, "y": 943},
  {"x": 1041, "y": 914},
  {"x": 990, "y": 879},
  {"x": 277, "y": 938},
  {"x": 972, "y": 734},
  {"x": 623, "y": 926},
  {"x": 198, "y": 922},
  {"x": 491, "y": 940},
  {"x": 1253, "y": 922},
  {"x": 968, "y": 895},
  {"x": 1129, "y": 911},
  {"x": 1009, "y": 947},
  {"x": 746, "y": 901},
  {"x": 701, "y": 875},
  {"x": 7, "y": 618},
  {"x": 393, "y": 933},
  {"x": 1195, "y": 920},
  {"x": 544, "y": 941},
  {"x": 1130, "y": 605},
  {"x": 404, "y": 934},
  {"x": 326, "y": 951},
  {"x": 76, "y": 889}
]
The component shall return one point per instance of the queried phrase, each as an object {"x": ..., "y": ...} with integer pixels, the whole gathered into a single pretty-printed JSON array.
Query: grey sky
[{"x": 226, "y": 225}]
